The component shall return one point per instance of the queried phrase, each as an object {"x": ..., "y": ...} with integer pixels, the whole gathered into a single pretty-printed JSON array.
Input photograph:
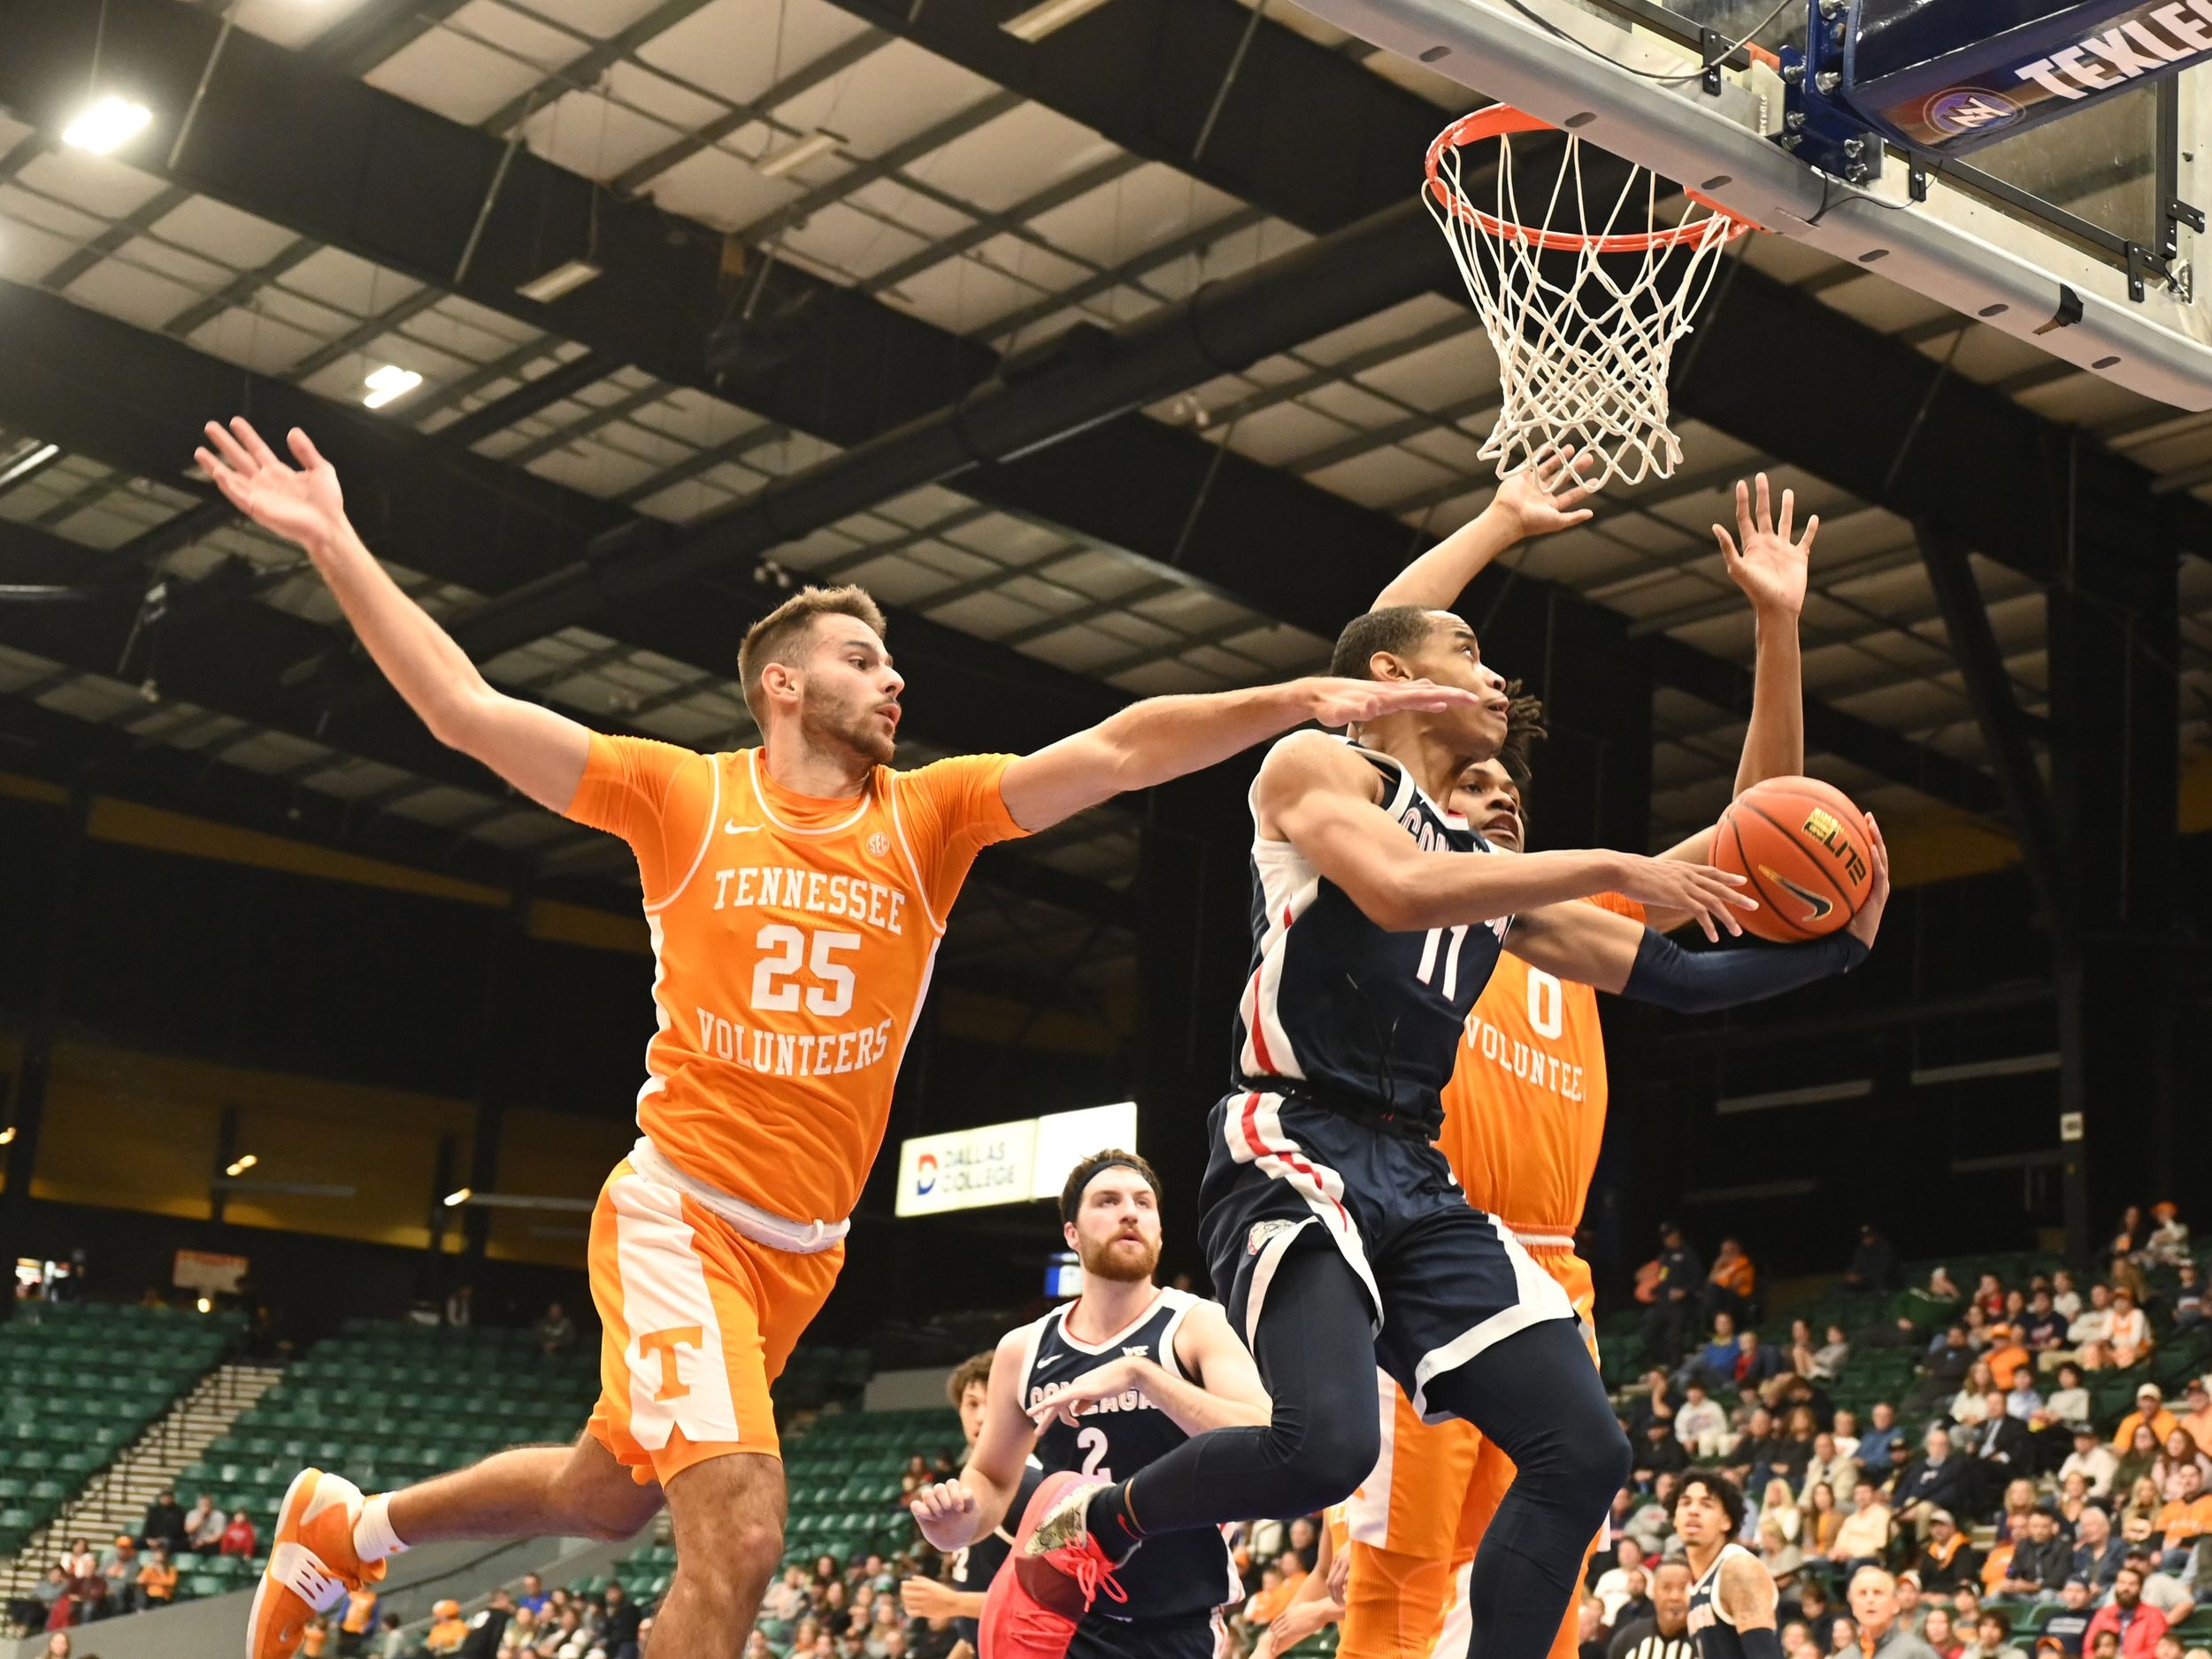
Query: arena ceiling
[{"x": 813, "y": 220}]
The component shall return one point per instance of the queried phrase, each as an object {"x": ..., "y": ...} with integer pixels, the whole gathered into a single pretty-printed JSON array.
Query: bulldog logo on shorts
[{"x": 1262, "y": 1231}]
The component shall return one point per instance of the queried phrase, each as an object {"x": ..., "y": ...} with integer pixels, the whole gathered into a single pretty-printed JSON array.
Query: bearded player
[
  {"x": 1104, "y": 1385},
  {"x": 1334, "y": 1229},
  {"x": 1524, "y": 1111},
  {"x": 795, "y": 893}
]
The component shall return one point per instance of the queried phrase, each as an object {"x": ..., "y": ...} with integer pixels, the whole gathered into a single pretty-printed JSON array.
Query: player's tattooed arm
[
  {"x": 1325, "y": 800},
  {"x": 953, "y": 1514},
  {"x": 1746, "y": 1594},
  {"x": 1536, "y": 500},
  {"x": 541, "y": 753},
  {"x": 1219, "y": 1386}
]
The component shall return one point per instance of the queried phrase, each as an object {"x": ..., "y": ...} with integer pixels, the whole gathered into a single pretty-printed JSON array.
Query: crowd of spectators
[{"x": 1988, "y": 1494}]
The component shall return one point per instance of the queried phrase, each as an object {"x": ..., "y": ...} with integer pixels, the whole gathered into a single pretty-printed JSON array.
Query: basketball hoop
[{"x": 1583, "y": 344}]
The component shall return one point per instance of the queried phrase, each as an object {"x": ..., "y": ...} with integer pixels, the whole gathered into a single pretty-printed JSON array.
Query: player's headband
[{"x": 1089, "y": 1172}]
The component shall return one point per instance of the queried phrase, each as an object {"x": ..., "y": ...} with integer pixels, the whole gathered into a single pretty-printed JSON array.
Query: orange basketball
[{"x": 1802, "y": 847}]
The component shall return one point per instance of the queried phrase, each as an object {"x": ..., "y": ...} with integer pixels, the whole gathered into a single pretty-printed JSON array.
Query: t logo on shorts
[{"x": 665, "y": 1343}]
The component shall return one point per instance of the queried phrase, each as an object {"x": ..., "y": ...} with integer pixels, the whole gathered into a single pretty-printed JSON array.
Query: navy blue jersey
[
  {"x": 1712, "y": 1630},
  {"x": 974, "y": 1567},
  {"x": 1338, "y": 1001},
  {"x": 1176, "y": 1573}
]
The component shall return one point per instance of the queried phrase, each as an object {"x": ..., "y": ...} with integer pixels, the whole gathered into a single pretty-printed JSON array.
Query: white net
[{"x": 1583, "y": 303}]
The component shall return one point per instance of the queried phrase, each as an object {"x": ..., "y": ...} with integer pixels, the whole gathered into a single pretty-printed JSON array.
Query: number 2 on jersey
[
  {"x": 775, "y": 977},
  {"x": 1092, "y": 1442}
]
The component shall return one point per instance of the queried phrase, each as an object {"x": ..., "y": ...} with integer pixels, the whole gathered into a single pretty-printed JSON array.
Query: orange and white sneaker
[
  {"x": 313, "y": 1564},
  {"x": 1049, "y": 1579}
]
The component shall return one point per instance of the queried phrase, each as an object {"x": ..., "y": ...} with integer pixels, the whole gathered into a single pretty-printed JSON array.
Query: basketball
[{"x": 1802, "y": 847}]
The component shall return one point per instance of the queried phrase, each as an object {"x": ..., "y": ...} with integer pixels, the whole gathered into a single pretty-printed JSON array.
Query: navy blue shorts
[
  {"x": 1446, "y": 1281},
  {"x": 1191, "y": 1636}
]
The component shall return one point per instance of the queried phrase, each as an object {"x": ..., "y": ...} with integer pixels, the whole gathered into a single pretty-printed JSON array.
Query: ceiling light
[
  {"x": 1040, "y": 20},
  {"x": 27, "y": 461},
  {"x": 106, "y": 125},
  {"x": 204, "y": 1305},
  {"x": 389, "y": 383},
  {"x": 820, "y": 142},
  {"x": 454, "y": 1200},
  {"x": 7, "y": 1134},
  {"x": 244, "y": 1161},
  {"x": 562, "y": 278}
]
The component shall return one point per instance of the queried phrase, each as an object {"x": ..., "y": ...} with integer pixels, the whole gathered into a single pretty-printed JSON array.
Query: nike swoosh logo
[
  {"x": 1817, "y": 907},
  {"x": 734, "y": 828}
]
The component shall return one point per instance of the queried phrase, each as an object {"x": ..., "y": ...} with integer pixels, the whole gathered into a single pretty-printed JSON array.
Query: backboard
[{"x": 2063, "y": 235}]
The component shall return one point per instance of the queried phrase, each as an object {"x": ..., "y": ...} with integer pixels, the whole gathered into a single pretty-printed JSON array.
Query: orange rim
[{"x": 1502, "y": 121}]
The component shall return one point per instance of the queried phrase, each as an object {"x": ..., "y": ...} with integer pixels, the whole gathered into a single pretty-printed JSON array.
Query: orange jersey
[
  {"x": 1525, "y": 1110},
  {"x": 793, "y": 939}
]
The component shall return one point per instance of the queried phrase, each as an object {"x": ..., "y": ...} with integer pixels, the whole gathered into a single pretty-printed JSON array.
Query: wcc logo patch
[
  {"x": 1960, "y": 110},
  {"x": 1264, "y": 1231}
]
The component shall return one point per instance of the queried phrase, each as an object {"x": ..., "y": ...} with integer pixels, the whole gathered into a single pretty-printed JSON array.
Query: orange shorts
[
  {"x": 699, "y": 1320},
  {"x": 1416, "y": 1522}
]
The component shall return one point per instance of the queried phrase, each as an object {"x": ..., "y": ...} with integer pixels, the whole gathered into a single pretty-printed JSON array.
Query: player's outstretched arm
[
  {"x": 1746, "y": 1594},
  {"x": 1149, "y": 742},
  {"x": 1600, "y": 948},
  {"x": 953, "y": 1514},
  {"x": 1770, "y": 568},
  {"x": 541, "y": 753},
  {"x": 1321, "y": 797},
  {"x": 1535, "y": 500}
]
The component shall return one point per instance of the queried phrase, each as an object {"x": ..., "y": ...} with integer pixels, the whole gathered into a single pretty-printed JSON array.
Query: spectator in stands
[
  {"x": 787, "y": 1598},
  {"x": 1268, "y": 1601},
  {"x": 2091, "y": 1331},
  {"x": 1815, "y": 1611},
  {"x": 2131, "y": 1332},
  {"x": 203, "y": 1524},
  {"x": 1659, "y": 1454},
  {"x": 2022, "y": 1400},
  {"x": 2188, "y": 1299},
  {"x": 2098, "y": 1552},
  {"x": 32, "y": 1612},
  {"x": 2196, "y": 1413},
  {"x": 157, "y": 1585},
  {"x": 535, "y": 1599},
  {"x": 1873, "y": 1449},
  {"x": 2093, "y": 1460},
  {"x": 2043, "y": 1327},
  {"x": 1874, "y": 1613},
  {"x": 2167, "y": 1245},
  {"x": 2165, "y": 1591},
  {"x": 57, "y": 1646},
  {"x": 1873, "y": 1263},
  {"x": 1935, "y": 1480},
  {"x": 2040, "y": 1562},
  {"x": 2177, "y": 1459},
  {"x": 1675, "y": 1283},
  {"x": 119, "y": 1565},
  {"x": 1701, "y": 1425},
  {"x": 1993, "y": 1636},
  {"x": 78, "y": 1561},
  {"x": 1936, "y": 1631},
  {"x": 239, "y": 1536},
  {"x": 617, "y": 1634},
  {"x": 2185, "y": 1518},
  {"x": 1970, "y": 1405},
  {"x": 1611, "y": 1586},
  {"x": 1730, "y": 1283},
  {"x": 1829, "y": 1359},
  {"x": 1864, "y": 1536},
  {"x": 556, "y": 1332},
  {"x": 1824, "y": 1520},
  {"x": 2069, "y": 1624},
  {"x": 460, "y": 1308},
  {"x": 391, "y": 1641},
  {"x": 1947, "y": 1560},
  {"x": 1754, "y": 1364},
  {"x": 358, "y": 1623},
  {"x": 164, "y": 1522},
  {"x": 448, "y": 1630},
  {"x": 1828, "y": 1466},
  {"x": 2137, "y": 1624},
  {"x": 2070, "y": 1402},
  {"x": 2001, "y": 1445},
  {"x": 1780, "y": 1531},
  {"x": 2139, "y": 1456}
]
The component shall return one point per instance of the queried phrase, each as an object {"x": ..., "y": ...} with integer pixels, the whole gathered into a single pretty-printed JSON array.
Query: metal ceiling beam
[
  {"x": 1308, "y": 134},
  {"x": 134, "y": 401},
  {"x": 397, "y": 184}
]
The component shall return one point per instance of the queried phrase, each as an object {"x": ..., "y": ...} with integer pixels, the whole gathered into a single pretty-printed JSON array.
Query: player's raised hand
[
  {"x": 1545, "y": 496},
  {"x": 302, "y": 503},
  {"x": 1866, "y": 921},
  {"x": 945, "y": 1512},
  {"x": 1117, "y": 1376},
  {"x": 1769, "y": 567},
  {"x": 1710, "y": 897},
  {"x": 1354, "y": 701}
]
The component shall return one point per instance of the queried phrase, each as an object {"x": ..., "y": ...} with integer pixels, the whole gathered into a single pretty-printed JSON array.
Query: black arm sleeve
[
  {"x": 1700, "y": 981},
  {"x": 1760, "y": 1644}
]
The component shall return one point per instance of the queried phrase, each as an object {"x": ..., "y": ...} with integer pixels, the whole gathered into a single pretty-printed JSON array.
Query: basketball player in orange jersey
[
  {"x": 1524, "y": 1111},
  {"x": 796, "y": 894}
]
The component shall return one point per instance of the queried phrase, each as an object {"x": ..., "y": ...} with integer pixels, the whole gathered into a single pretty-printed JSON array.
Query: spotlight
[
  {"x": 106, "y": 125},
  {"x": 389, "y": 383},
  {"x": 240, "y": 1166}
]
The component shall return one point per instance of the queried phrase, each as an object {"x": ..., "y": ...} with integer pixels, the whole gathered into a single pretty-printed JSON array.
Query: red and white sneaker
[
  {"x": 313, "y": 1564},
  {"x": 1049, "y": 1579}
]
